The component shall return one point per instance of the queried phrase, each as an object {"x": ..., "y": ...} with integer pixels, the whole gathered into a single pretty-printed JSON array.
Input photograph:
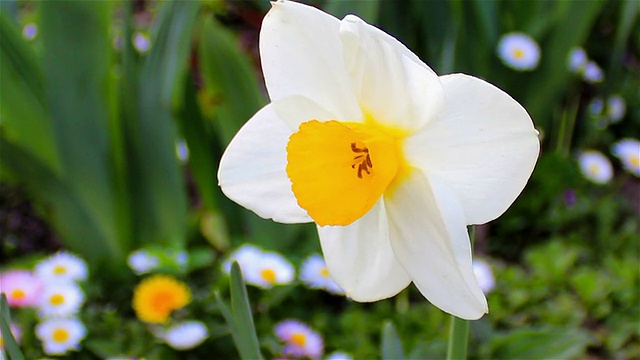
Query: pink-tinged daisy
[
  {"x": 300, "y": 340},
  {"x": 61, "y": 267},
  {"x": 314, "y": 273},
  {"x": 21, "y": 287}
]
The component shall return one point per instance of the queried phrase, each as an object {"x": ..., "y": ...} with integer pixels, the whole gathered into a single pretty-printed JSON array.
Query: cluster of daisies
[
  {"x": 302, "y": 342},
  {"x": 521, "y": 52},
  {"x": 53, "y": 289},
  {"x": 158, "y": 296},
  {"x": 596, "y": 167},
  {"x": 265, "y": 269}
]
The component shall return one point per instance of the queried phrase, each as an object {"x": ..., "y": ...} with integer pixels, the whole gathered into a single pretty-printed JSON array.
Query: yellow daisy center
[
  {"x": 268, "y": 275},
  {"x": 518, "y": 53},
  {"x": 59, "y": 270},
  {"x": 594, "y": 169},
  {"x": 324, "y": 272},
  {"x": 298, "y": 339},
  {"x": 635, "y": 161},
  {"x": 339, "y": 170},
  {"x": 18, "y": 294},
  {"x": 56, "y": 299},
  {"x": 60, "y": 335}
]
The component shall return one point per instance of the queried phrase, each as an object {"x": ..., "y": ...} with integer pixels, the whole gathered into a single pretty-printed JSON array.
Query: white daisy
[
  {"x": 59, "y": 335},
  {"x": 246, "y": 255},
  {"x": 30, "y": 31},
  {"x": 141, "y": 261},
  {"x": 339, "y": 355},
  {"x": 314, "y": 273},
  {"x": 519, "y": 51},
  {"x": 62, "y": 266},
  {"x": 186, "y": 335},
  {"x": 595, "y": 166},
  {"x": 269, "y": 270},
  {"x": 141, "y": 41},
  {"x": 628, "y": 151},
  {"x": 577, "y": 60},
  {"x": 616, "y": 108},
  {"x": 300, "y": 340},
  {"x": 61, "y": 299},
  {"x": 592, "y": 73},
  {"x": 483, "y": 273}
]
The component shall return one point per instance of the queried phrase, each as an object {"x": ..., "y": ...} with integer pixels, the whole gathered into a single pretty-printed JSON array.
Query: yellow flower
[{"x": 156, "y": 297}]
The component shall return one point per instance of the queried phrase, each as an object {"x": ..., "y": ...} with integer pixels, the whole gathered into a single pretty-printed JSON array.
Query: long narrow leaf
[
  {"x": 23, "y": 111},
  {"x": 158, "y": 188},
  {"x": 10, "y": 343},
  {"x": 391, "y": 347},
  {"x": 77, "y": 65},
  {"x": 249, "y": 347}
]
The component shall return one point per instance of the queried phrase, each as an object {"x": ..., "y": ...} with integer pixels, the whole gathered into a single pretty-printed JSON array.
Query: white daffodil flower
[{"x": 388, "y": 159}]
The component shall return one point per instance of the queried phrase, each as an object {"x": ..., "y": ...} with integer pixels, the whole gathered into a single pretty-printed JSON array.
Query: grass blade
[
  {"x": 249, "y": 347},
  {"x": 391, "y": 346},
  {"x": 10, "y": 343}
]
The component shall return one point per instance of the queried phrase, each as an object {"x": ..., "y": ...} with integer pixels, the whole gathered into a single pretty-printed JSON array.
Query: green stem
[
  {"x": 458, "y": 339},
  {"x": 459, "y": 328}
]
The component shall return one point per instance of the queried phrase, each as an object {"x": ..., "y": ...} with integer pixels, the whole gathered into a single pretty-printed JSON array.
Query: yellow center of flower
[
  {"x": 518, "y": 53},
  {"x": 339, "y": 170},
  {"x": 268, "y": 275},
  {"x": 635, "y": 161},
  {"x": 56, "y": 299},
  {"x": 18, "y": 294},
  {"x": 298, "y": 339},
  {"x": 324, "y": 272},
  {"x": 59, "y": 270},
  {"x": 594, "y": 169},
  {"x": 60, "y": 335}
]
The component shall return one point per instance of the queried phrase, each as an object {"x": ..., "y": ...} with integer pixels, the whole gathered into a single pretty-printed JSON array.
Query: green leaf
[
  {"x": 249, "y": 347},
  {"x": 77, "y": 87},
  {"x": 367, "y": 10},
  {"x": 543, "y": 343},
  {"x": 232, "y": 94},
  {"x": 10, "y": 343},
  {"x": 391, "y": 347},
  {"x": 25, "y": 120},
  {"x": 157, "y": 182},
  {"x": 239, "y": 318},
  {"x": 544, "y": 90}
]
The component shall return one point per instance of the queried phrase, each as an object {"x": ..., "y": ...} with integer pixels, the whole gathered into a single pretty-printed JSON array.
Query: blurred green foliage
[{"x": 89, "y": 125}]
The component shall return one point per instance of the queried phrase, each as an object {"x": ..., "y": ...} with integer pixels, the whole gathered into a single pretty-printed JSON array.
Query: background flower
[
  {"x": 595, "y": 166},
  {"x": 300, "y": 340},
  {"x": 21, "y": 287},
  {"x": 157, "y": 296},
  {"x": 61, "y": 299},
  {"x": 186, "y": 335},
  {"x": 519, "y": 51},
  {"x": 270, "y": 269},
  {"x": 60, "y": 335},
  {"x": 62, "y": 266},
  {"x": 141, "y": 261},
  {"x": 628, "y": 151},
  {"x": 314, "y": 273},
  {"x": 484, "y": 274}
]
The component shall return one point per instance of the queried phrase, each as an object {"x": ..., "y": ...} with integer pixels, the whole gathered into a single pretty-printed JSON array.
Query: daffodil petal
[
  {"x": 360, "y": 259},
  {"x": 302, "y": 54},
  {"x": 252, "y": 169},
  {"x": 482, "y": 143},
  {"x": 392, "y": 84},
  {"x": 429, "y": 238}
]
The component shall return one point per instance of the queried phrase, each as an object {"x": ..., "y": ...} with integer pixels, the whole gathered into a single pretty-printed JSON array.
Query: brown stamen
[{"x": 364, "y": 158}]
